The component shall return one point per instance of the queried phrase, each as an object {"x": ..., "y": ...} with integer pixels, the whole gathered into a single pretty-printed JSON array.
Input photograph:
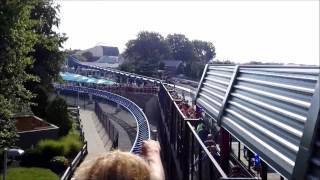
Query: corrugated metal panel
[
  {"x": 266, "y": 109},
  {"x": 213, "y": 88}
]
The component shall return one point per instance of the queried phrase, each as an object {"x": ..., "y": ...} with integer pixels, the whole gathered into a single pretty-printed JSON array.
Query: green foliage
[
  {"x": 50, "y": 148},
  {"x": 29, "y": 55},
  {"x": 30, "y": 174},
  {"x": 57, "y": 114},
  {"x": 71, "y": 144},
  {"x": 40, "y": 102},
  {"x": 204, "y": 51},
  {"x": 67, "y": 146},
  {"x": 47, "y": 56},
  {"x": 16, "y": 42},
  {"x": 58, "y": 164},
  {"x": 181, "y": 47},
  {"x": 145, "y": 52}
]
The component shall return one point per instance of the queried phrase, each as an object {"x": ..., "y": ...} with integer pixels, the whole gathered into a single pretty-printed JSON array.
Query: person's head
[{"x": 115, "y": 165}]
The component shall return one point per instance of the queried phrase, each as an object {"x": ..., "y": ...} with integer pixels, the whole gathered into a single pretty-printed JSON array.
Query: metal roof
[{"x": 265, "y": 107}]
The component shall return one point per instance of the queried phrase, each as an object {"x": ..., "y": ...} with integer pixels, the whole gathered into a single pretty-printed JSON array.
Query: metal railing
[
  {"x": 185, "y": 156},
  {"x": 107, "y": 125},
  {"x": 75, "y": 163}
]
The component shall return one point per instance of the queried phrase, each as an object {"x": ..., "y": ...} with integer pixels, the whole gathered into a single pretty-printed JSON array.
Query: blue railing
[{"x": 143, "y": 128}]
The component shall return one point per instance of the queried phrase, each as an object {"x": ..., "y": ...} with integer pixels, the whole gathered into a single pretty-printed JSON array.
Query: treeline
[
  {"x": 144, "y": 55},
  {"x": 30, "y": 60}
]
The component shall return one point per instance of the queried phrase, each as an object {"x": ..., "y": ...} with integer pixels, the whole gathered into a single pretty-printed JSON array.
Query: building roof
[{"x": 29, "y": 123}]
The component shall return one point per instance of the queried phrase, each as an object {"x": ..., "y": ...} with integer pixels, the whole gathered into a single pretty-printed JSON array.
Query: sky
[{"x": 241, "y": 31}]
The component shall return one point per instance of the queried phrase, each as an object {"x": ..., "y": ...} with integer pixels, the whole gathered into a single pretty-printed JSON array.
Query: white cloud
[{"x": 270, "y": 31}]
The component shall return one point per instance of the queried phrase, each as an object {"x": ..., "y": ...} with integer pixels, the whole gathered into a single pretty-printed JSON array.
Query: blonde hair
[{"x": 115, "y": 165}]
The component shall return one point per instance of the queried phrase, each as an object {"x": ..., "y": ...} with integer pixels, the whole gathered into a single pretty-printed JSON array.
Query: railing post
[
  {"x": 264, "y": 171},
  {"x": 224, "y": 150}
]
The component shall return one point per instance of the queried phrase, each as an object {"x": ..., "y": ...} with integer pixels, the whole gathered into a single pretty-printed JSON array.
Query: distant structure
[
  {"x": 110, "y": 51},
  {"x": 100, "y": 51},
  {"x": 171, "y": 67},
  {"x": 101, "y": 55}
]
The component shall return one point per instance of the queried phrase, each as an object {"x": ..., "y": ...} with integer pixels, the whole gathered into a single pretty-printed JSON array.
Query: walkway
[{"x": 98, "y": 140}]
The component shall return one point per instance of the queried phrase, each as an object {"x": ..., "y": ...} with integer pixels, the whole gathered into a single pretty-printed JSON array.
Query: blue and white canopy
[{"x": 84, "y": 79}]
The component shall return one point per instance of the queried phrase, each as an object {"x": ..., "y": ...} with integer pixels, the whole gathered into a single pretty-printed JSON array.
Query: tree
[
  {"x": 29, "y": 57},
  {"x": 47, "y": 56},
  {"x": 145, "y": 53},
  {"x": 181, "y": 47},
  {"x": 40, "y": 102},
  {"x": 16, "y": 42},
  {"x": 57, "y": 114},
  {"x": 204, "y": 51}
]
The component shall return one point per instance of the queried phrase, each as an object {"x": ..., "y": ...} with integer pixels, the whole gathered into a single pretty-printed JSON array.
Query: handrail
[
  {"x": 142, "y": 133},
  {"x": 216, "y": 165}
]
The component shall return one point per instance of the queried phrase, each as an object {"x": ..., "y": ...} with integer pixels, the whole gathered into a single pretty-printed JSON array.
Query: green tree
[
  {"x": 181, "y": 47},
  {"x": 144, "y": 53},
  {"x": 16, "y": 42},
  {"x": 40, "y": 101},
  {"x": 57, "y": 114},
  {"x": 29, "y": 57},
  {"x": 47, "y": 56},
  {"x": 204, "y": 51}
]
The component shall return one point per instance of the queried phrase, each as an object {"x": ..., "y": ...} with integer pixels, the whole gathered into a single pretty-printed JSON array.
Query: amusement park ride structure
[{"x": 273, "y": 111}]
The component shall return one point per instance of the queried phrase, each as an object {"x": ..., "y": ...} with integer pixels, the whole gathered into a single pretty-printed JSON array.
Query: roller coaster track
[
  {"x": 72, "y": 61},
  {"x": 143, "y": 128}
]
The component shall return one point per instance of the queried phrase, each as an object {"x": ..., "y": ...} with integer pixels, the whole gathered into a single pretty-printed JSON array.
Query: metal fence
[
  {"x": 185, "y": 156},
  {"x": 107, "y": 125}
]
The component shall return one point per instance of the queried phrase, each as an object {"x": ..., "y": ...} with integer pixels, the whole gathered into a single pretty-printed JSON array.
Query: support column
[
  {"x": 264, "y": 171},
  {"x": 224, "y": 150}
]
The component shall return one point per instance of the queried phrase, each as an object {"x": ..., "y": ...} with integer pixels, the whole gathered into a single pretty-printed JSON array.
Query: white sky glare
[{"x": 242, "y": 31}]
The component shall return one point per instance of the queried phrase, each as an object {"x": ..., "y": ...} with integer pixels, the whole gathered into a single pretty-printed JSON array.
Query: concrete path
[{"x": 98, "y": 140}]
